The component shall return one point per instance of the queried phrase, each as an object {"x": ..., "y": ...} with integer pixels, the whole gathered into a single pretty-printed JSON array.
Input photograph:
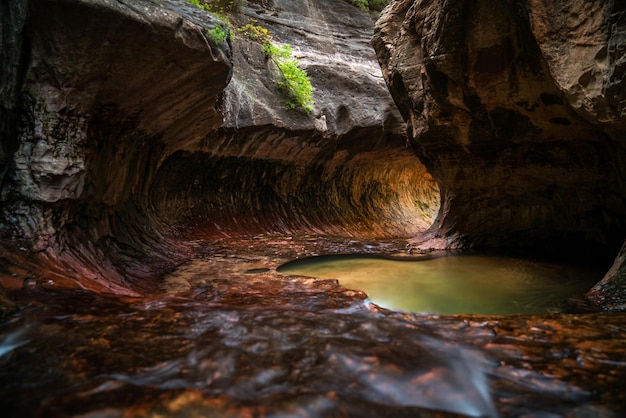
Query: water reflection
[{"x": 454, "y": 284}]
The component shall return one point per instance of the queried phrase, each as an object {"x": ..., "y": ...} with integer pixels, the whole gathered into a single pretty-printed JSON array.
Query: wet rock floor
[{"x": 230, "y": 336}]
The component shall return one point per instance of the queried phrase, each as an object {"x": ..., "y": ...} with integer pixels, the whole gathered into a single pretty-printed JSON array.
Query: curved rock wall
[
  {"x": 112, "y": 89},
  {"x": 12, "y": 68},
  {"x": 376, "y": 194},
  {"x": 116, "y": 157},
  {"x": 345, "y": 169},
  {"x": 135, "y": 133},
  {"x": 517, "y": 109}
]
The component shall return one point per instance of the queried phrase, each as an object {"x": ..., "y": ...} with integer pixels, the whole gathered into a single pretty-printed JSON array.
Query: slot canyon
[{"x": 153, "y": 179}]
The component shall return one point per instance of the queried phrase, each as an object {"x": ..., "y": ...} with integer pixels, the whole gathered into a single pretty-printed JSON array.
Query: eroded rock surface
[
  {"x": 345, "y": 169},
  {"x": 135, "y": 141},
  {"x": 118, "y": 162},
  {"x": 517, "y": 109},
  {"x": 110, "y": 90}
]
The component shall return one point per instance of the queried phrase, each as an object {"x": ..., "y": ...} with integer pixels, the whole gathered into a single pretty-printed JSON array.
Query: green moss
[
  {"x": 202, "y": 6},
  {"x": 220, "y": 7}
]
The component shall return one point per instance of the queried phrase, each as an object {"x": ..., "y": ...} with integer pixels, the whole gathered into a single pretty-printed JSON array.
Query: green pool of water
[{"x": 454, "y": 284}]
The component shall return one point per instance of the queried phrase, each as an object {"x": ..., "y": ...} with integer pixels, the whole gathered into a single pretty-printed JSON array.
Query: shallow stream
[
  {"x": 243, "y": 340},
  {"x": 76, "y": 354}
]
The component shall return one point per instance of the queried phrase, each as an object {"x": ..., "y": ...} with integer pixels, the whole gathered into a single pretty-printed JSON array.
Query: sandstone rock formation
[
  {"x": 518, "y": 109},
  {"x": 344, "y": 170},
  {"x": 133, "y": 141},
  {"x": 136, "y": 133},
  {"x": 116, "y": 159},
  {"x": 107, "y": 90}
]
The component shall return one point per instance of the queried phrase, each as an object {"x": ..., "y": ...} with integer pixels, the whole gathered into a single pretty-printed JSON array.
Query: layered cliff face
[
  {"x": 345, "y": 169},
  {"x": 129, "y": 132},
  {"x": 517, "y": 108}
]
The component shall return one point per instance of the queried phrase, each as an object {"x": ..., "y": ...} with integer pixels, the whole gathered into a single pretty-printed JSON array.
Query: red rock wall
[{"x": 137, "y": 133}]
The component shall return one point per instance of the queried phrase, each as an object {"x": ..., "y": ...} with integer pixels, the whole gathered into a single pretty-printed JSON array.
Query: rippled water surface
[
  {"x": 80, "y": 355},
  {"x": 310, "y": 354},
  {"x": 454, "y": 284}
]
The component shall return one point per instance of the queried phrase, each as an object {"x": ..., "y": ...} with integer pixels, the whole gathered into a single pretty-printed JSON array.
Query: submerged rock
[{"x": 229, "y": 352}]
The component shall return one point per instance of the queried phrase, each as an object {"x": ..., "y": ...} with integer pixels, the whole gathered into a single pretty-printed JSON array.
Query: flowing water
[
  {"x": 79, "y": 354},
  {"x": 262, "y": 344},
  {"x": 454, "y": 284}
]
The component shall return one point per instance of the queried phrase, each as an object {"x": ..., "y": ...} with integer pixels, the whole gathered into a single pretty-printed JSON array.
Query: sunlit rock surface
[{"x": 517, "y": 109}]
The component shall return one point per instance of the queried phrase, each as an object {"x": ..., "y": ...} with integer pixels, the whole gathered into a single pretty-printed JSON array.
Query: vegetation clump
[
  {"x": 219, "y": 33},
  {"x": 370, "y": 5},
  {"x": 293, "y": 80},
  {"x": 255, "y": 33},
  {"x": 220, "y": 7}
]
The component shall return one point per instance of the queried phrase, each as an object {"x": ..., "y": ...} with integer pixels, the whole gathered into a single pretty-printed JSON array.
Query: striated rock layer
[
  {"x": 132, "y": 141},
  {"x": 131, "y": 133},
  {"x": 518, "y": 109},
  {"x": 345, "y": 169},
  {"x": 98, "y": 113},
  {"x": 118, "y": 161}
]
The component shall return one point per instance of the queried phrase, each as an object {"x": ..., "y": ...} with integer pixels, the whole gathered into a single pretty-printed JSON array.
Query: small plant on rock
[
  {"x": 293, "y": 80},
  {"x": 254, "y": 32},
  {"x": 219, "y": 34},
  {"x": 370, "y": 5},
  {"x": 204, "y": 6},
  {"x": 220, "y": 7}
]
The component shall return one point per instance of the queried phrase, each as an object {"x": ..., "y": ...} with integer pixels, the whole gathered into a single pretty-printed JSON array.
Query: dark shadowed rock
[
  {"x": 516, "y": 109},
  {"x": 111, "y": 89}
]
